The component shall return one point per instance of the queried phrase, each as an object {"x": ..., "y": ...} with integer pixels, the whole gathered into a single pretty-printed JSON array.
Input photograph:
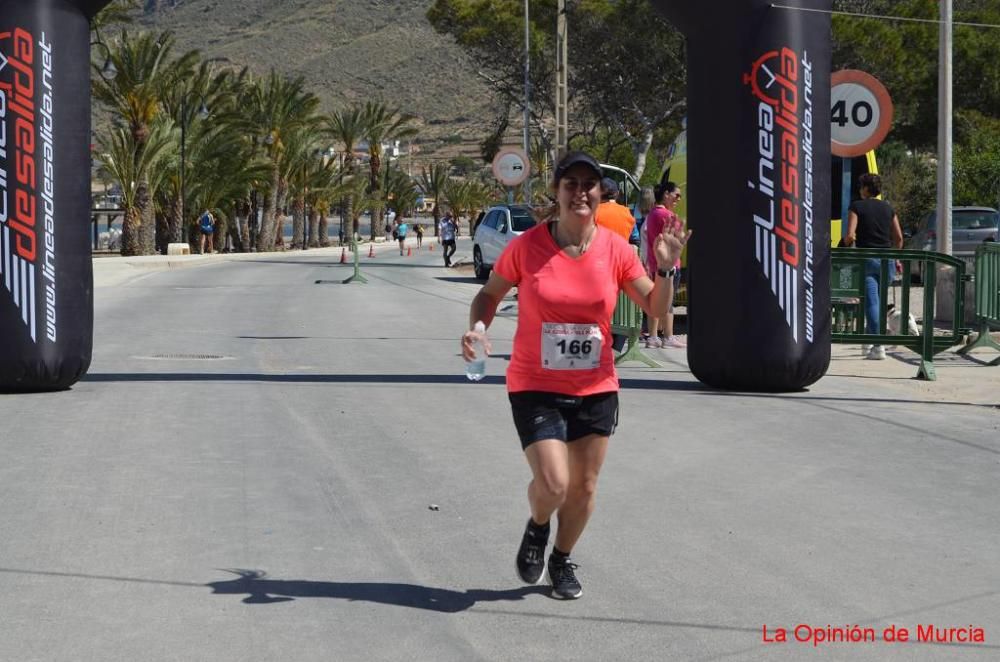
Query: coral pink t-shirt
[{"x": 557, "y": 296}]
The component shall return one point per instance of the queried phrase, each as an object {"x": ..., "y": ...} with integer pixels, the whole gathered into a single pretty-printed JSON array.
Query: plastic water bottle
[{"x": 476, "y": 369}]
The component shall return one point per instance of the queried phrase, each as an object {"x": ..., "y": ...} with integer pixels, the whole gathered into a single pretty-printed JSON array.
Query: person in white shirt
[{"x": 448, "y": 231}]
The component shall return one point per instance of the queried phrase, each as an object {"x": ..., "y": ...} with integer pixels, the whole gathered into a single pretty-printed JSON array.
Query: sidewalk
[
  {"x": 961, "y": 379},
  {"x": 111, "y": 270}
]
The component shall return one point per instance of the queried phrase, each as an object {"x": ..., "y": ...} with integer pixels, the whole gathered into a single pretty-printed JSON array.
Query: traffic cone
[
  {"x": 409, "y": 252},
  {"x": 343, "y": 255},
  {"x": 431, "y": 247},
  {"x": 371, "y": 250}
]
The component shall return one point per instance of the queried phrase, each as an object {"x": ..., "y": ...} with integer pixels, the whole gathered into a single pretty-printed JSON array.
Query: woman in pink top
[
  {"x": 561, "y": 381},
  {"x": 663, "y": 215}
]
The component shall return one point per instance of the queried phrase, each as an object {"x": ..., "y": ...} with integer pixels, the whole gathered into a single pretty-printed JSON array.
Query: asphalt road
[{"x": 266, "y": 464}]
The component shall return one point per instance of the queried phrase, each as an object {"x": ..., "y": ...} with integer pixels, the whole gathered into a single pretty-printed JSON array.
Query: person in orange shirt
[{"x": 612, "y": 215}]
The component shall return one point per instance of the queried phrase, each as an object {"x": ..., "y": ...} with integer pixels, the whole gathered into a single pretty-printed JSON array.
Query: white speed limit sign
[
  {"x": 860, "y": 113},
  {"x": 511, "y": 166}
]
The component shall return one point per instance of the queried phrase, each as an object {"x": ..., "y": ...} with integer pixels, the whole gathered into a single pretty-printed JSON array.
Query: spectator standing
[
  {"x": 647, "y": 200},
  {"x": 448, "y": 231},
  {"x": 663, "y": 216},
  {"x": 872, "y": 223},
  {"x": 419, "y": 229},
  {"x": 612, "y": 215},
  {"x": 206, "y": 225}
]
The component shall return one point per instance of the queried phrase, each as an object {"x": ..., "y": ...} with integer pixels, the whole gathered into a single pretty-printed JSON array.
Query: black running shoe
[
  {"x": 531, "y": 555},
  {"x": 565, "y": 585}
]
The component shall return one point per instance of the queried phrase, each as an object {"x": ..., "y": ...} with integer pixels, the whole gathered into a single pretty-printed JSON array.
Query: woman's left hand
[{"x": 669, "y": 244}]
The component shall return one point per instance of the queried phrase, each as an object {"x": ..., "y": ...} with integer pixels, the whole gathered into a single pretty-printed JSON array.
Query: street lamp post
[
  {"x": 202, "y": 113},
  {"x": 108, "y": 70}
]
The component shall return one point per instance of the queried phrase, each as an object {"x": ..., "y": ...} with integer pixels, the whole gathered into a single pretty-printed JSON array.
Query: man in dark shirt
[{"x": 872, "y": 223}]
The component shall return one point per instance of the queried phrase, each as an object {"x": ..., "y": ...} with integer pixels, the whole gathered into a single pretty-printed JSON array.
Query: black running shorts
[{"x": 542, "y": 415}]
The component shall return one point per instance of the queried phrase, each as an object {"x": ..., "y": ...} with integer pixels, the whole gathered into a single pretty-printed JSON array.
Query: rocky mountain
[{"x": 348, "y": 50}]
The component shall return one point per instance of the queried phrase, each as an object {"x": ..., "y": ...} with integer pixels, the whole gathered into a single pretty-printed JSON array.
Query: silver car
[
  {"x": 970, "y": 226},
  {"x": 500, "y": 224}
]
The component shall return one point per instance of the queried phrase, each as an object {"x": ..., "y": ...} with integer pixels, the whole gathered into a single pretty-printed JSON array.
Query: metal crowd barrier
[
  {"x": 987, "y": 279},
  {"x": 847, "y": 295},
  {"x": 627, "y": 321}
]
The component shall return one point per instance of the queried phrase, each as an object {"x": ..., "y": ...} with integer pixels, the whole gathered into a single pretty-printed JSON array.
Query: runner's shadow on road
[
  {"x": 262, "y": 591},
  {"x": 460, "y": 279}
]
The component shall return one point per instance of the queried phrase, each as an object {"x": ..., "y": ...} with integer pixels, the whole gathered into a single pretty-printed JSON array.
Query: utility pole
[
  {"x": 944, "y": 191},
  {"x": 526, "y": 187},
  {"x": 945, "y": 285},
  {"x": 562, "y": 80}
]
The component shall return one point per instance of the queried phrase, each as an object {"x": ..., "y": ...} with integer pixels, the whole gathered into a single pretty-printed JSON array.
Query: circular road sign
[
  {"x": 861, "y": 113},
  {"x": 511, "y": 166}
]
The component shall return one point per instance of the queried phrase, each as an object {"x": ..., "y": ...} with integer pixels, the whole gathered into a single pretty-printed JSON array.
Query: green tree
[
  {"x": 627, "y": 66},
  {"x": 903, "y": 55},
  {"x": 492, "y": 33},
  {"x": 630, "y": 85},
  {"x": 201, "y": 104},
  {"x": 117, "y": 13},
  {"x": 467, "y": 198},
  {"x": 402, "y": 191},
  {"x": 275, "y": 109},
  {"x": 346, "y": 126},
  {"x": 146, "y": 71},
  {"x": 432, "y": 182},
  {"x": 909, "y": 182},
  {"x": 977, "y": 160},
  {"x": 463, "y": 165},
  {"x": 137, "y": 167},
  {"x": 381, "y": 124}
]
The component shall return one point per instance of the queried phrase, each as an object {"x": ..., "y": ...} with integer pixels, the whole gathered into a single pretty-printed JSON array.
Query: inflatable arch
[
  {"x": 46, "y": 277},
  {"x": 758, "y": 168},
  {"x": 758, "y": 191}
]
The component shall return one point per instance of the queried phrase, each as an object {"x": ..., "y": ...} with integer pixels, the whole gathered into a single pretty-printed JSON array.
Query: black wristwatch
[{"x": 666, "y": 274}]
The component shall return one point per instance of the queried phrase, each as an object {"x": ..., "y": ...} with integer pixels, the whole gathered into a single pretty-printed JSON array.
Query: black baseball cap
[
  {"x": 571, "y": 159},
  {"x": 609, "y": 188}
]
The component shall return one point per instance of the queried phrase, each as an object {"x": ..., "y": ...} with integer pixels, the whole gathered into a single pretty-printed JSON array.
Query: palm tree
[
  {"x": 402, "y": 190},
  {"x": 381, "y": 124},
  {"x": 356, "y": 188},
  {"x": 275, "y": 109},
  {"x": 324, "y": 178},
  {"x": 199, "y": 104},
  {"x": 224, "y": 170},
  {"x": 138, "y": 168},
  {"x": 296, "y": 162},
  {"x": 346, "y": 126},
  {"x": 432, "y": 182},
  {"x": 115, "y": 13},
  {"x": 146, "y": 72},
  {"x": 468, "y": 198}
]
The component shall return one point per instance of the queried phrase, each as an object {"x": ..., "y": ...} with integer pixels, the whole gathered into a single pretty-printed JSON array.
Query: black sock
[
  {"x": 559, "y": 556},
  {"x": 542, "y": 529}
]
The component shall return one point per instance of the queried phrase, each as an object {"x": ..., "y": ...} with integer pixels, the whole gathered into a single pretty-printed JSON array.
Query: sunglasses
[{"x": 573, "y": 184}]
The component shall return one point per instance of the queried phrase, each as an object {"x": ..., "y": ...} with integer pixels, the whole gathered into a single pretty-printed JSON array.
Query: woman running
[{"x": 561, "y": 382}]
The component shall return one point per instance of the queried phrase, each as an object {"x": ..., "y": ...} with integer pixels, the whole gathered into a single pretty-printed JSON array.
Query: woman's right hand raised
[{"x": 668, "y": 245}]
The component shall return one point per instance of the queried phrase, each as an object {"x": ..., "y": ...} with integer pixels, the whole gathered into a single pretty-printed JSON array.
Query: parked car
[
  {"x": 499, "y": 226},
  {"x": 970, "y": 226}
]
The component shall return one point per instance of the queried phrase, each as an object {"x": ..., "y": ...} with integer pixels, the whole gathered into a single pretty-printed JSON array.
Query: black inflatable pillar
[
  {"x": 758, "y": 136},
  {"x": 46, "y": 277}
]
